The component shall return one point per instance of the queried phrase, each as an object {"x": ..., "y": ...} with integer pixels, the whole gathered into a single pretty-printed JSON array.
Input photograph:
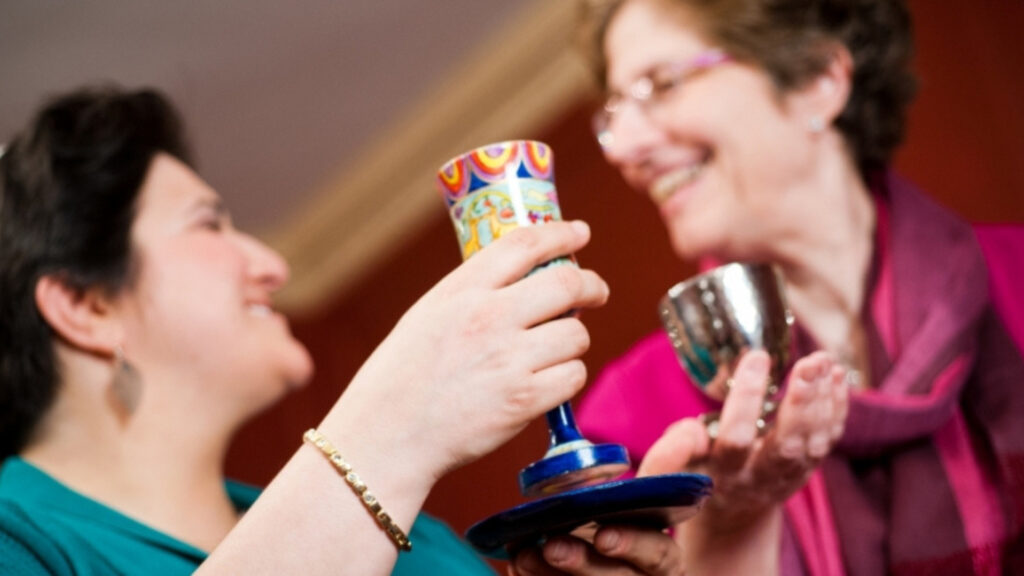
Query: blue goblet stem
[
  {"x": 571, "y": 460},
  {"x": 562, "y": 425}
]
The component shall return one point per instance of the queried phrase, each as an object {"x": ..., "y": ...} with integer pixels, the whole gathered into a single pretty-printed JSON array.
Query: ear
[
  {"x": 85, "y": 320},
  {"x": 824, "y": 97}
]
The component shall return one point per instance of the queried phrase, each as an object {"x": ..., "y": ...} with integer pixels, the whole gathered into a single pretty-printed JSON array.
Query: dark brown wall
[{"x": 965, "y": 146}]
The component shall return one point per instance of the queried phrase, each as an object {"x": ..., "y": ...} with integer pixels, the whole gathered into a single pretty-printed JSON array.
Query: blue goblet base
[
  {"x": 568, "y": 467},
  {"x": 655, "y": 502}
]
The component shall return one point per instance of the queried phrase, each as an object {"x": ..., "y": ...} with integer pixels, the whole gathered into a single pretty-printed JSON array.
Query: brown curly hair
[{"x": 789, "y": 39}]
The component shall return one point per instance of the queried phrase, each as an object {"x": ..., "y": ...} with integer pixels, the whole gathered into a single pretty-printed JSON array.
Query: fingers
[
  {"x": 550, "y": 387},
  {"x": 648, "y": 551},
  {"x": 616, "y": 550},
  {"x": 530, "y": 562},
  {"x": 809, "y": 422},
  {"x": 806, "y": 416},
  {"x": 737, "y": 427},
  {"x": 785, "y": 453},
  {"x": 512, "y": 256},
  {"x": 841, "y": 402},
  {"x": 554, "y": 291},
  {"x": 554, "y": 342},
  {"x": 682, "y": 443}
]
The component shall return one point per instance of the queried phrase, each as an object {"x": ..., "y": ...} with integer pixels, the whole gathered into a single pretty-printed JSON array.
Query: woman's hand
[
  {"x": 614, "y": 551},
  {"x": 754, "y": 473},
  {"x": 480, "y": 355}
]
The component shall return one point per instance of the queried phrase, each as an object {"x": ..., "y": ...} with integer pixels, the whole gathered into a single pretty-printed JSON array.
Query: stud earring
[
  {"x": 127, "y": 385},
  {"x": 816, "y": 125}
]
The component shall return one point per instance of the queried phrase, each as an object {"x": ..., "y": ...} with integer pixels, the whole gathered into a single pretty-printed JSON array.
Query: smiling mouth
[
  {"x": 670, "y": 183},
  {"x": 260, "y": 310}
]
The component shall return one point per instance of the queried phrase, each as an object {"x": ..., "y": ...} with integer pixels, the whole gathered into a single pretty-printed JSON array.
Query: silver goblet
[{"x": 714, "y": 318}]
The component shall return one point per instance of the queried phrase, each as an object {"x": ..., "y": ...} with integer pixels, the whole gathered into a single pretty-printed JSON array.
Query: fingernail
[
  {"x": 581, "y": 227},
  {"x": 758, "y": 361},
  {"x": 557, "y": 552},
  {"x": 608, "y": 540}
]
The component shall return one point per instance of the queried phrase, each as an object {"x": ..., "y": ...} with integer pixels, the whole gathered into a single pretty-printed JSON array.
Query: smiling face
[
  {"x": 197, "y": 319},
  {"x": 722, "y": 154}
]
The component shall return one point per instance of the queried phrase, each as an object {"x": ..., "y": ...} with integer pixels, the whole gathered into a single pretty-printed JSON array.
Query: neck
[
  {"x": 826, "y": 260},
  {"x": 148, "y": 466}
]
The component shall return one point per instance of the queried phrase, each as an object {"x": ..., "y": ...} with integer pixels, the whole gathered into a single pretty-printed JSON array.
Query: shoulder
[{"x": 25, "y": 547}]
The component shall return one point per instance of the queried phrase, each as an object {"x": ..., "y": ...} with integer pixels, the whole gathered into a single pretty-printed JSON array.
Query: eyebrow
[
  {"x": 645, "y": 72},
  {"x": 210, "y": 203}
]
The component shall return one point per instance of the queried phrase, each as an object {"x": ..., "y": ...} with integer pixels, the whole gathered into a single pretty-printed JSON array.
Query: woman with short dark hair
[{"x": 137, "y": 334}]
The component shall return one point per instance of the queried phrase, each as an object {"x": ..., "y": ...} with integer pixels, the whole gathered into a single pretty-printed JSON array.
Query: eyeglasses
[{"x": 651, "y": 89}]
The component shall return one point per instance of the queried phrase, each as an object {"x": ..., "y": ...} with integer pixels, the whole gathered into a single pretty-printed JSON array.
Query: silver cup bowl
[{"x": 714, "y": 318}]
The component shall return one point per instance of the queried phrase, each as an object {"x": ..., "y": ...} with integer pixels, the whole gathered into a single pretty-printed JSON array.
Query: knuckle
[
  {"x": 576, "y": 373},
  {"x": 525, "y": 240},
  {"x": 790, "y": 450},
  {"x": 662, "y": 560},
  {"x": 579, "y": 337},
  {"x": 747, "y": 389},
  {"x": 570, "y": 280},
  {"x": 521, "y": 401},
  {"x": 482, "y": 319}
]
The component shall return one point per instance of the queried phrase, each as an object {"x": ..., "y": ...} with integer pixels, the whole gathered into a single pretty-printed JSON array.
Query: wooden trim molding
[{"x": 361, "y": 214}]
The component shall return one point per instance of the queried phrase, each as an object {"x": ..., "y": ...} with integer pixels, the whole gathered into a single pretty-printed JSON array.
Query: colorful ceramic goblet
[
  {"x": 490, "y": 191},
  {"x": 714, "y": 318}
]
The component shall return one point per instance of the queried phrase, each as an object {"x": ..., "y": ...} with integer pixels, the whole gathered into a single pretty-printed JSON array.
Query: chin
[
  {"x": 298, "y": 370},
  {"x": 689, "y": 246}
]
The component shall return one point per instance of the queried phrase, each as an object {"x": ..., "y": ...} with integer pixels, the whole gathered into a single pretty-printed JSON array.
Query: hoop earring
[{"x": 127, "y": 385}]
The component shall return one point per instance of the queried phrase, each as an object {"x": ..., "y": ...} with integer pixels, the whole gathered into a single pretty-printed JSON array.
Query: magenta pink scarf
[{"x": 929, "y": 476}]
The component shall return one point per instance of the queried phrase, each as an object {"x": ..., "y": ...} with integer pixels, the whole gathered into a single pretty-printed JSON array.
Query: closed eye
[
  {"x": 212, "y": 224},
  {"x": 664, "y": 81}
]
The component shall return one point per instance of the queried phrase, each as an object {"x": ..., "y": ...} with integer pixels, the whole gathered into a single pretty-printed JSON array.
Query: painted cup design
[
  {"x": 490, "y": 191},
  {"x": 499, "y": 187}
]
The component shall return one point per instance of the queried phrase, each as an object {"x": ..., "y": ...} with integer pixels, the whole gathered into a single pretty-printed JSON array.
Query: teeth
[
  {"x": 665, "y": 186},
  {"x": 260, "y": 310}
]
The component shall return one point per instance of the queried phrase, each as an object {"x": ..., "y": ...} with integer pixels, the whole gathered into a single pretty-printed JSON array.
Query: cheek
[{"x": 189, "y": 286}]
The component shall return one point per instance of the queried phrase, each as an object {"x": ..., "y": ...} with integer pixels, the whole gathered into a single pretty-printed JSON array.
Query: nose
[
  {"x": 632, "y": 136},
  {"x": 266, "y": 266}
]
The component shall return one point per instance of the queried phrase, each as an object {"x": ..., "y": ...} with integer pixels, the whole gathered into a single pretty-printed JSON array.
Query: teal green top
[{"x": 47, "y": 528}]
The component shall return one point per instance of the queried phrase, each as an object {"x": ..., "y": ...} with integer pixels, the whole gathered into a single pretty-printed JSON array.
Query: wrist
[
  {"x": 380, "y": 454},
  {"x": 715, "y": 547}
]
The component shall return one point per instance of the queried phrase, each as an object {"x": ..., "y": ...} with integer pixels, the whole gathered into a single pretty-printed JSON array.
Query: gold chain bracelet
[{"x": 365, "y": 496}]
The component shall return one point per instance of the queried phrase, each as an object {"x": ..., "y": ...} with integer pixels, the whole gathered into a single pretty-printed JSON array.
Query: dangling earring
[
  {"x": 127, "y": 385},
  {"x": 816, "y": 125}
]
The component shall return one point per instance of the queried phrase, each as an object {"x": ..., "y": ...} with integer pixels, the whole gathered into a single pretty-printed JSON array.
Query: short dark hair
[
  {"x": 789, "y": 39},
  {"x": 68, "y": 189}
]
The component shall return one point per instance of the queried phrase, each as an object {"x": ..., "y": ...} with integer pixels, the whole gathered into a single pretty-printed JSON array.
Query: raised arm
[{"x": 466, "y": 368}]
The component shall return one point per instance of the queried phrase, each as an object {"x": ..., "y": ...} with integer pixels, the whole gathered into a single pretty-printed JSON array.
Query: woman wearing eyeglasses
[{"x": 763, "y": 130}]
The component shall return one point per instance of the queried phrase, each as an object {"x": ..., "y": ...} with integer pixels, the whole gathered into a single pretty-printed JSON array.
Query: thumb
[{"x": 683, "y": 442}]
